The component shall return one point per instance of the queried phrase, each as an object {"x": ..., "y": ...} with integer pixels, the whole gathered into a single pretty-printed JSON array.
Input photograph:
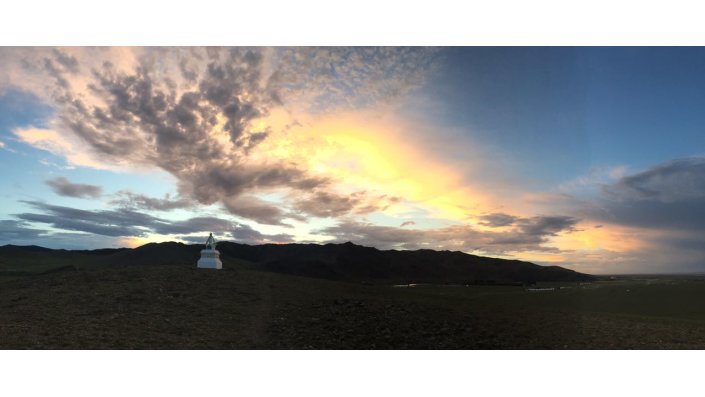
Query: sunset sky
[{"x": 588, "y": 158}]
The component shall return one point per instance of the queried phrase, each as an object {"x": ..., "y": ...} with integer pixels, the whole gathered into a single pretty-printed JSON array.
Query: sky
[{"x": 589, "y": 158}]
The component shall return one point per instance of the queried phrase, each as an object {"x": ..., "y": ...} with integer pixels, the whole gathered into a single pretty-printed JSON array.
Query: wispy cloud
[
  {"x": 529, "y": 235},
  {"x": 119, "y": 222},
  {"x": 64, "y": 187},
  {"x": 128, "y": 199}
]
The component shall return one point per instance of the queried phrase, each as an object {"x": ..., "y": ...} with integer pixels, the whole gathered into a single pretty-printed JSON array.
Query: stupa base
[
  {"x": 210, "y": 264},
  {"x": 210, "y": 259}
]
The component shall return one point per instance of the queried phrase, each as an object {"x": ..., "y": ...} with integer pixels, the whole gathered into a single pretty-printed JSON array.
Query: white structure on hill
[{"x": 210, "y": 257}]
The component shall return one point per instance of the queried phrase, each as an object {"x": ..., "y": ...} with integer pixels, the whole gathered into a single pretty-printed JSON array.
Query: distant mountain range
[{"x": 345, "y": 262}]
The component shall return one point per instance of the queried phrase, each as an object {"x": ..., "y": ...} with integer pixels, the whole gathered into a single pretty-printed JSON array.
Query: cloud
[
  {"x": 213, "y": 184},
  {"x": 647, "y": 221},
  {"x": 247, "y": 235},
  {"x": 677, "y": 180},
  {"x": 334, "y": 77},
  {"x": 199, "y": 113},
  {"x": 261, "y": 211},
  {"x": 498, "y": 220},
  {"x": 64, "y": 187},
  {"x": 667, "y": 196},
  {"x": 120, "y": 222},
  {"x": 533, "y": 232},
  {"x": 13, "y": 231},
  {"x": 66, "y": 146},
  {"x": 127, "y": 199},
  {"x": 244, "y": 234},
  {"x": 407, "y": 223},
  {"x": 595, "y": 176},
  {"x": 527, "y": 231},
  {"x": 530, "y": 235},
  {"x": 326, "y": 204},
  {"x": 546, "y": 225},
  {"x": 111, "y": 227},
  {"x": 112, "y": 223},
  {"x": 67, "y": 61},
  {"x": 193, "y": 225},
  {"x": 20, "y": 233},
  {"x": 126, "y": 223},
  {"x": 196, "y": 239}
]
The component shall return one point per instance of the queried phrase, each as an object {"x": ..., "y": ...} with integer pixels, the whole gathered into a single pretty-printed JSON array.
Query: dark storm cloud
[
  {"x": 64, "y": 187},
  {"x": 667, "y": 196},
  {"x": 174, "y": 108},
  {"x": 127, "y": 199},
  {"x": 529, "y": 235}
]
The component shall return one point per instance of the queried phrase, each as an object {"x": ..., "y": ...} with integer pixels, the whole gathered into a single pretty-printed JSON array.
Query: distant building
[{"x": 210, "y": 257}]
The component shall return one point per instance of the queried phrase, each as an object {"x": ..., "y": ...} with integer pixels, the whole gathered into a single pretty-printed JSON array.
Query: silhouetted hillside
[
  {"x": 353, "y": 262},
  {"x": 347, "y": 262}
]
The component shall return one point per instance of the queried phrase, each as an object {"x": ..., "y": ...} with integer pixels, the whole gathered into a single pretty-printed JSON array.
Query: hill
[{"x": 344, "y": 262}]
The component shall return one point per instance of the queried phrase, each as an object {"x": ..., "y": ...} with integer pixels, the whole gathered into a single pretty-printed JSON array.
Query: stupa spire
[
  {"x": 210, "y": 257},
  {"x": 210, "y": 243}
]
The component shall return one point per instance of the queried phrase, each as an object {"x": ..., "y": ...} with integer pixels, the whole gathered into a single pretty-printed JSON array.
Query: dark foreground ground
[{"x": 181, "y": 307}]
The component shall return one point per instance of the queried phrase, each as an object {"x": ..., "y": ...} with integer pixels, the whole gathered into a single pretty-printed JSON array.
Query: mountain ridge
[{"x": 344, "y": 262}]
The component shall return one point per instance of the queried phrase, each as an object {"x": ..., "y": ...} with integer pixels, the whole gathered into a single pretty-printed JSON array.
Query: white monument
[{"x": 210, "y": 257}]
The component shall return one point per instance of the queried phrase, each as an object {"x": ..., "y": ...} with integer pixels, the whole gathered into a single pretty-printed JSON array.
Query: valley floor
[{"x": 181, "y": 307}]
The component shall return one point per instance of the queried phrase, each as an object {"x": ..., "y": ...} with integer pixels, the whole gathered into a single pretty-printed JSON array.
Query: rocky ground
[{"x": 181, "y": 307}]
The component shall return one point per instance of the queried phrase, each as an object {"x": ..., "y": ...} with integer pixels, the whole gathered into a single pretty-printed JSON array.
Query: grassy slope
[{"x": 178, "y": 306}]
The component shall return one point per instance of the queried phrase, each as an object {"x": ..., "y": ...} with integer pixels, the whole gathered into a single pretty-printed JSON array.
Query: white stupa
[{"x": 210, "y": 257}]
